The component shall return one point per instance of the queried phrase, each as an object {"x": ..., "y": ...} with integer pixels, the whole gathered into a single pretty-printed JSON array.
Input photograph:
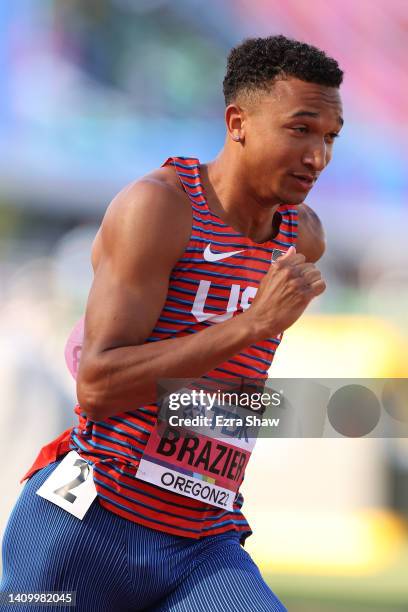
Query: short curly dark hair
[{"x": 257, "y": 62}]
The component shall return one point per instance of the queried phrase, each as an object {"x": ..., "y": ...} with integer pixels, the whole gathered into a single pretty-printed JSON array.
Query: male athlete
[{"x": 184, "y": 287}]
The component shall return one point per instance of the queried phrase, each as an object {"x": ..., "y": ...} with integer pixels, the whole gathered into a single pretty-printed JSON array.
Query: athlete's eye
[
  {"x": 333, "y": 135},
  {"x": 300, "y": 129}
]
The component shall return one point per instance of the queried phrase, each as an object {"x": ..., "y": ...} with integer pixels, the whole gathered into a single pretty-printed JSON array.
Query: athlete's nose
[{"x": 316, "y": 157}]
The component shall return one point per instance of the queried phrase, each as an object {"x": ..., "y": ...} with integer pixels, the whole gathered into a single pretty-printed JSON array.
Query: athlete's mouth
[{"x": 306, "y": 181}]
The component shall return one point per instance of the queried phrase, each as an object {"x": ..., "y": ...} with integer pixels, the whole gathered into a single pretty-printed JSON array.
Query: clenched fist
[{"x": 282, "y": 296}]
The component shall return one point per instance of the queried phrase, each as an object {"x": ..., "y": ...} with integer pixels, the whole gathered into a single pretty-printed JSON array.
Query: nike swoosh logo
[{"x": 210, "y": 256}]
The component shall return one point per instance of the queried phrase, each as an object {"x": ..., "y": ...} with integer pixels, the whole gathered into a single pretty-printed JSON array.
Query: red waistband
[{"x": 51, "y": 452}]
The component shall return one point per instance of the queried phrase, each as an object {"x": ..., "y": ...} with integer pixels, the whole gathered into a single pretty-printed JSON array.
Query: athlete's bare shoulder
[
  {"x": 156, "y": 202},
  {"x": 161, "y": 184},
  {"x": 167, "y": 176},
  {"x": 311, "y": 241}
]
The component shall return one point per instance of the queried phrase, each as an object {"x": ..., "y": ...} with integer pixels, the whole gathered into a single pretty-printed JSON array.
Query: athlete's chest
[{"x": 219, "y": 273}]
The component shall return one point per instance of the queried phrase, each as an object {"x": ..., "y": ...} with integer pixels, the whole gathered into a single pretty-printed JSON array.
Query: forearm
[{"x": 125, "y": 378}]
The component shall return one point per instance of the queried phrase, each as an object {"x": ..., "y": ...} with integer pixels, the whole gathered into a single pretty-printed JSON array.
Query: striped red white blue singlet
[{"x": 201, "y": 293}]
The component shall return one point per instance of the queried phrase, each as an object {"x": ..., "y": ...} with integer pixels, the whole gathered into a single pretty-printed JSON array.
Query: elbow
[
  {"x": 88, "y": 393},
  {"x": 88, "y": 401},
  {"x": 96, "y": 391}
]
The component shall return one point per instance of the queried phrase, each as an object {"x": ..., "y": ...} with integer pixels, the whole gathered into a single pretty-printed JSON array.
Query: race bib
[
  {"x": 205, "y": 462},
  {"x": 70, "y": 485}
]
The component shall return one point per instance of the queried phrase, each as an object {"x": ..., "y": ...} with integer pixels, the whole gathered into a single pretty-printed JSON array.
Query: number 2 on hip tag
[{"x": 65, "y": 487}]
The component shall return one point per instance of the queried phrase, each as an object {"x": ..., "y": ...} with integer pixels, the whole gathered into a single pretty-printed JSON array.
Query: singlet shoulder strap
[
  {"x": 188, "y": 171},
  {"x": 288, "y": 230}
]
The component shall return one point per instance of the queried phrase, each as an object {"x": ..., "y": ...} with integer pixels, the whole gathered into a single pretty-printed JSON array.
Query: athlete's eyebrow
[{"x": 303, "y": 113}]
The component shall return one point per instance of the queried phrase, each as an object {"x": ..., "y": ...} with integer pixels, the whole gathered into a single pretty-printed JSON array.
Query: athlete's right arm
[{"x": 144, "y": 233}]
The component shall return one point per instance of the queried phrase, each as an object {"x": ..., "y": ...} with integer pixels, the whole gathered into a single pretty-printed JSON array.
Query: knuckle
[
  {"x": 310, "y": 267},
  {"x": 286, "y": 272},
  {"x": 316, "y": 276},
  {"x": 296, "y": 283}
]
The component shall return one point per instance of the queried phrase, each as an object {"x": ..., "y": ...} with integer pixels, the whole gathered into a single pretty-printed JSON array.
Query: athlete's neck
[{"x": 228, "y": 197}]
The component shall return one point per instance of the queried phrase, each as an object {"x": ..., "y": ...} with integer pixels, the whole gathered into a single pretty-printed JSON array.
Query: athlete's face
[{"x": 287, "y": 139}]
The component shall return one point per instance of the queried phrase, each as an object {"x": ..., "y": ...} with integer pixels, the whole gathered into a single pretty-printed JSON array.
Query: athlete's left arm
[{"x": 311, "y": 241}]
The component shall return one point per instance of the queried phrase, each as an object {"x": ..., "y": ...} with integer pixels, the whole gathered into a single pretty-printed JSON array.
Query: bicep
[{"x": 122, "y": 311}]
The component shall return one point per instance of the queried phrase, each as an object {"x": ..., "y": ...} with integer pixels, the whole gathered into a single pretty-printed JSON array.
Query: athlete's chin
[{"x": 291, "y": 197}]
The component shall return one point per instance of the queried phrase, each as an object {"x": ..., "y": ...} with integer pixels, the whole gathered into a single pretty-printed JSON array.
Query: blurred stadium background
[{"x": 96, "y": 93}]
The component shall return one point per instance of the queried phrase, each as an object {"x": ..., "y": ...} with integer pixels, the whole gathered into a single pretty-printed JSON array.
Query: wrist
[{"x": 254, "y": 326}]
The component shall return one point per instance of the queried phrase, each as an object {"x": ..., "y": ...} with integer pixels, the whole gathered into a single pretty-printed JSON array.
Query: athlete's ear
[{"x": 234, "y": 119}]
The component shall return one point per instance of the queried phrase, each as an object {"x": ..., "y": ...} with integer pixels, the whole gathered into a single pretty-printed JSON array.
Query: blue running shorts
[{"x": 116, "y": 565}]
